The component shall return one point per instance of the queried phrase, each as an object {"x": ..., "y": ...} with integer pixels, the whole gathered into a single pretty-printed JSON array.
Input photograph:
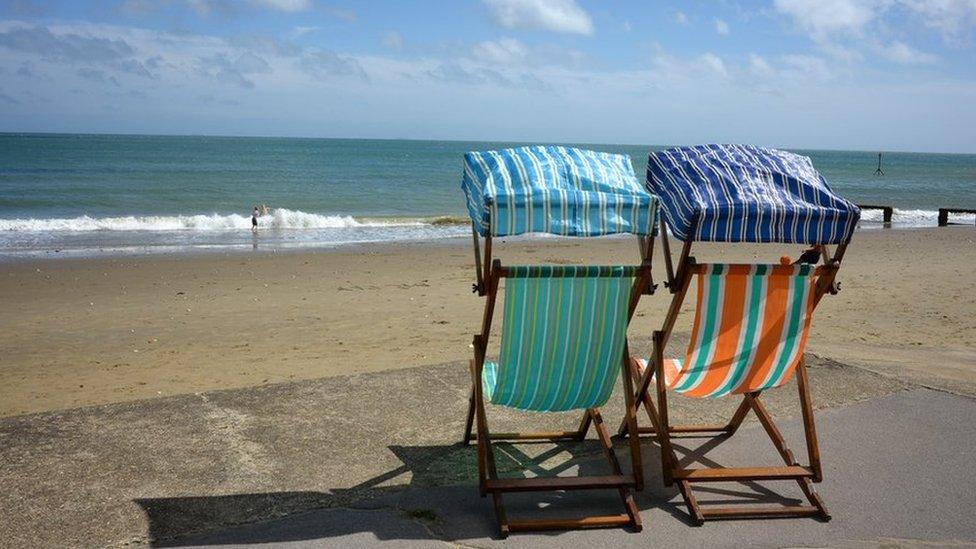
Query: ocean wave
[
  {"x": 913, "y": 218},
  {"x": 279, "y": 218}
]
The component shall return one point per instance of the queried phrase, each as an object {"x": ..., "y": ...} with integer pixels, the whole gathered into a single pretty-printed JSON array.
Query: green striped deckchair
[{"x": 563, "y": 345}]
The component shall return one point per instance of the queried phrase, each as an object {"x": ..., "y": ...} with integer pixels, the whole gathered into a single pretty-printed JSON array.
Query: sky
[{"x": 825, "y": 74}]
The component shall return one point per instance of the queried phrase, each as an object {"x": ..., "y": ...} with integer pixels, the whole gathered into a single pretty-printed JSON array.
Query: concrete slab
[
  {"x": 897, "y": 474},
  {"x": 163, "y": 469}
]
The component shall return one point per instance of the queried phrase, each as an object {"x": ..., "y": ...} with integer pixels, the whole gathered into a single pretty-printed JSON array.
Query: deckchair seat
[
  {"x": 563, "y": 346},
  {"x": 563, "y": 335},
  {"x": 750, "y": 329}
]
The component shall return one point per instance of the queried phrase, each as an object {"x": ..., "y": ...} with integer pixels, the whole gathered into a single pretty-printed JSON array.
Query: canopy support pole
[
  {"x": 479, "y": 286},
  {"x": 482, "y": 268}
]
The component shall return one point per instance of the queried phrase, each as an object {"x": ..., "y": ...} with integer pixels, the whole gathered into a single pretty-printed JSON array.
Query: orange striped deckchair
[{"x": 748, "y": 336}]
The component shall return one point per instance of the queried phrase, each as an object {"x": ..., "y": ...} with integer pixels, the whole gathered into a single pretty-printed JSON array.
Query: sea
[{"x": 90, "y": 195}]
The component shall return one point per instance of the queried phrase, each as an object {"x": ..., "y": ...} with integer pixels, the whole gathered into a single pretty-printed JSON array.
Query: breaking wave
[
  {"x": 279, "y": 218},
  {"x": 913, "y": 218}
]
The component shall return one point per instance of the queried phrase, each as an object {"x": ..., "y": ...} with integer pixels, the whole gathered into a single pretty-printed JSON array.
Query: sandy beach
[{"x": 95, "y": 331}]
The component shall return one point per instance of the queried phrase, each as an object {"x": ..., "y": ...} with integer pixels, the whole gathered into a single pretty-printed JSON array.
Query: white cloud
[
  {"x": 680, "y": 18},
  {"x": 393, "y": 40},
  {"x": 553, "y": 15},
  {"x": 805, "y": 68},
  {"x": 952, "y": 18},
  {"x": 902, "y": 53},
  {"x": 506, "y": 51},
  {"x": 290, "y": 6},
  {"x": 714, "y": 63},
  {"x": 760, "y": 68},
  {"x": 823, "y": 17},
  {"x": 300, "y": 31},
  {"x": 674, "y": 69},
  {"x": 722, "y": 27}
]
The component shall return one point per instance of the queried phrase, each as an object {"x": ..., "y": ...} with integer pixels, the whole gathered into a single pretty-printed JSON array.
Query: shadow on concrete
[{"x": 439, "y": 500}]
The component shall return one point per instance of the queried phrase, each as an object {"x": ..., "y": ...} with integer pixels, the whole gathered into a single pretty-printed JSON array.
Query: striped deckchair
[
  {"x": 748, "y": 336},
  {"x": 564, "y": 342}
]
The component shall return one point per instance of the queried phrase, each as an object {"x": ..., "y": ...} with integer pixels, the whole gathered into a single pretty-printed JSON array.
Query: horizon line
[{"x": 455, "y": 140}]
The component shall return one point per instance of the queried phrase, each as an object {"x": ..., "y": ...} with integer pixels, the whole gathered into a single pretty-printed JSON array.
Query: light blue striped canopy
[
  {"x": 556, "y": 190},
  {"x": 741, "y": 193}
]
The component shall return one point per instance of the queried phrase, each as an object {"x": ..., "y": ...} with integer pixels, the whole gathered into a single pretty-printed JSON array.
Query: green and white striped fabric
[{"x": 563, "y": 335}]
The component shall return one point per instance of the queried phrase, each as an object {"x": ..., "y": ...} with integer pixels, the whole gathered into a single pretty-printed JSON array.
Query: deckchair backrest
[
  {"x": 563, "y": 335},
  {"x": 750, "y": 328}
]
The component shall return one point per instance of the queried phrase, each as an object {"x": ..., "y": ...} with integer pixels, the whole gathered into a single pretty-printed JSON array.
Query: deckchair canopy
[
  {"x": 741, "y": 193},
  {"x": 557, "y": 190}
]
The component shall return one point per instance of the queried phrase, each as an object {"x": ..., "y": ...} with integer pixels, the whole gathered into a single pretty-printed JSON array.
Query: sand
[{"x": 79, "y": 332}]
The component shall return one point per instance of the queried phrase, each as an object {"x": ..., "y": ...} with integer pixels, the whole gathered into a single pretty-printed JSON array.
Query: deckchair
[
  {"x": 751, "y": 320},
  {"x": 563, "y": 344}
]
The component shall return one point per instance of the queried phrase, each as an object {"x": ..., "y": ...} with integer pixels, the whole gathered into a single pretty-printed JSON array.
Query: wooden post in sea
[
  {"x": 887, "y": 211},
  {"x": 879, "y": 171},
  {"x": 944, "y": 214}
]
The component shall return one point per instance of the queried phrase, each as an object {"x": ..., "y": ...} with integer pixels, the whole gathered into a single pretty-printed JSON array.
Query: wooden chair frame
[
  {"x": 488, "y": 479},
  {"x": 804, "y": 475}
]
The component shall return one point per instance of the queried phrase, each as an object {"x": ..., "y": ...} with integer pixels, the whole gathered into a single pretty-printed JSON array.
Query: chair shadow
[{"x": 440, "y": 500}]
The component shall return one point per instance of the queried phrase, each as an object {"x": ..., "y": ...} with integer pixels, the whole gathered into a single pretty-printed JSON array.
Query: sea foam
[
  {"x": 914, "y": 218},
  {"x": 279, "y": 218}
]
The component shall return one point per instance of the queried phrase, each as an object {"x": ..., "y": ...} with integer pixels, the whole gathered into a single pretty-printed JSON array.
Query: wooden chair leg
[
  {"x": 483, "y": 439},
  {"x": 809, "y": 428},
  {"x": 738, "y": 417},
  {"x": 604, "y": 435},
  {"x": 584, "y": 426},
  {"x": 469, "y": 422},
  {"x": 630, "y": 418}
]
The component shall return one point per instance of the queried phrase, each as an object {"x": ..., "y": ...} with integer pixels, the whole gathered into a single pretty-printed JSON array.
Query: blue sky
[{"x": 835, "y": 74}]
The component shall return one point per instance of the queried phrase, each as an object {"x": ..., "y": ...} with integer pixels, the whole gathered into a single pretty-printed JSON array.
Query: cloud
[
  {"x": 506, "y": 51},
  {"x": 393, "y": 40},
  {"x": 96, "y": 75},
  {"x": 221, "y": 69},
  {"x": 553, "y": 15},
  {"x": 290, "y": 6},
  {"x": 300, "y": 31},
  {"x": 679, "y": 17},
  {"x": 66, "y": 47},
  {"x": 714, "y": 63},
  {"x": 760, "y": 68},
  {"x": 323, "y": 64},
  {"x": 903, "y": 54},
  {"x": 707, "y": 66},
  {"x": 452, "y": 72},
  {"x": 823, "y": 17},
  {"x": 722, "y": 27},
  {"x": 249, "y": 63},
  {"x": 952, "y": 18}
]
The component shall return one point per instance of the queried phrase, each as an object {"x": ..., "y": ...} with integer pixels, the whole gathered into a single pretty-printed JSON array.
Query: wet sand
[{"x": 78, "y": 332}]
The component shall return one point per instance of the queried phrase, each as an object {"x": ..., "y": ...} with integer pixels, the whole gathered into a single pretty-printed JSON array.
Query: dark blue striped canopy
[
  {"x": 556, "y": 190},
  {"x": 741, "y": 193}
]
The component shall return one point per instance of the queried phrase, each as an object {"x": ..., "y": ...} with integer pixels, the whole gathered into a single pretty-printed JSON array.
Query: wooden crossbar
[
  {"x": 785, "y": 511},
  {"x": 726, "y": 474},
  {"x": 598, "y": 521},
  {"x": 541, "y": 435},
  {"x": 548, "y": 484}
]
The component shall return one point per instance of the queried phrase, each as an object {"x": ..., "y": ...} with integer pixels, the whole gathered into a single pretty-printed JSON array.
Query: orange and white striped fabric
[{"x": 750, "y": 329}]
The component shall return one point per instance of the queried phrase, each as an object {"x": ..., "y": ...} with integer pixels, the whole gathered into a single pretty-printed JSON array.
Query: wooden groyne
[
  {"x": 944, "y": 214},
  {"x": 888, "y": 210}
]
